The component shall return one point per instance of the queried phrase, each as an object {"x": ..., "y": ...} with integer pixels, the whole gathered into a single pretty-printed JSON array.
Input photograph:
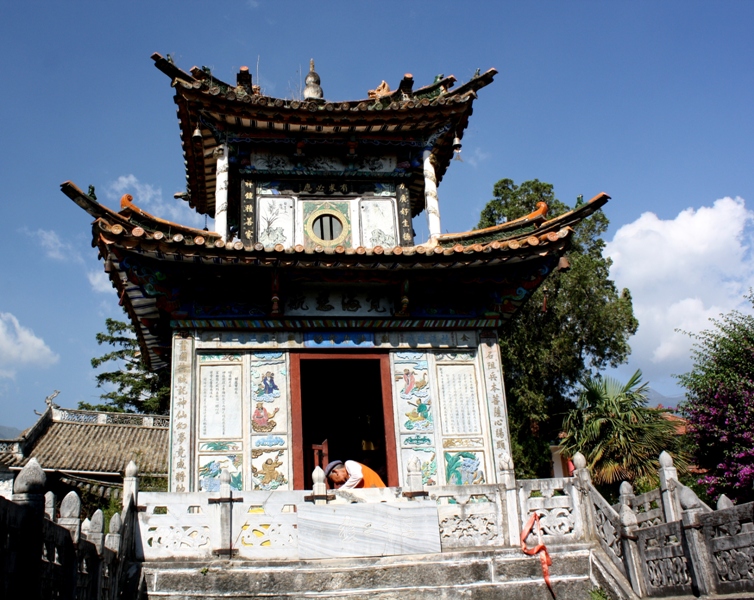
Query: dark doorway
[{"x": 341, "y": 402}]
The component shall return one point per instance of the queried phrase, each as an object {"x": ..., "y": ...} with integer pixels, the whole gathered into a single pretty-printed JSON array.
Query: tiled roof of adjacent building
[{"x": 89, "y": 442}]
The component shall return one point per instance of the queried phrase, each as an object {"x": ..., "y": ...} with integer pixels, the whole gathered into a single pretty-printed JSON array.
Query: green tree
[
  {"x": 132, "y": 387},
  {"x": 576, "y": 323},
  {"x": 620, "y": 436},
  {"x": 719, "y": 405}
]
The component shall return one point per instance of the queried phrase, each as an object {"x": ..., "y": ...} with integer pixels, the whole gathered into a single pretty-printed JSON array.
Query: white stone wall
[{"x": 231, "y": 406}]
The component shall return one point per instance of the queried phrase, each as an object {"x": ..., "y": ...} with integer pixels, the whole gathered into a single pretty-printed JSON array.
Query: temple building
[{"x": 310, "y": 324}]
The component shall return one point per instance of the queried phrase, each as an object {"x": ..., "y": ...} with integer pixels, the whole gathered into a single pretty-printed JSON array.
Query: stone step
[{"x": 476, "y": 575}]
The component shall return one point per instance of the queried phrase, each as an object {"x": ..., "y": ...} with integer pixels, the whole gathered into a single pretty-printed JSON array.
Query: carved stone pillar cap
[
  {"x": 31, "y": 479},
  {"x": 132, "y": 470},
  {"x": 666, "y": 460},
  {"x": 579, "y": 461},
  {"x": 70, "y": 507},
  {"x": 115, "y": 523},
  {"x": 724, "y": 502},
  {"x": 626, "y": 489},
  {"x": 98, "y": 522},
  {"x": 225, "y": 476}
]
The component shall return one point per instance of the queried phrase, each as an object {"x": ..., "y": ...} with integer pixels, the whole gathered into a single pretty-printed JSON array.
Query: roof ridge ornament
[{"x": 312, "y": 91}]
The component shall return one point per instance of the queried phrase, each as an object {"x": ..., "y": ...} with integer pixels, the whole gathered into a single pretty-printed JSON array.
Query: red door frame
[{"x": 387, "y": 409}]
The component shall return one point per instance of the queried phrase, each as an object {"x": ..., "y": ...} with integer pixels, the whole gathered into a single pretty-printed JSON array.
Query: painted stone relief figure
[
  {"x": 413, "y": 390},
  {"x": 267, "y": 390},
  {"x": 464, "y": 468},
  {"x": 262, "y": 420},
  {"x": 416, "y": 394},
  {"x": 210, "y": 468},
  {"x": 265, "y": 469}
]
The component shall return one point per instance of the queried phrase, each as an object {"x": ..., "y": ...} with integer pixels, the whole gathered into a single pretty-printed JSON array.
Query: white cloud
[
  {"x": 53, "y": 246},
  {"x": 19, "y": 347},
  {"x": 681, "y": 272},
  {"x": 477, "y": 157},
  {"x": 149, "y": 198},
  {"x": 100, "y": 282}
]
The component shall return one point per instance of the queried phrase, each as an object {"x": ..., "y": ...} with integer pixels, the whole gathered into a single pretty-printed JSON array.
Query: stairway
[{"x": 477, "y": 575}]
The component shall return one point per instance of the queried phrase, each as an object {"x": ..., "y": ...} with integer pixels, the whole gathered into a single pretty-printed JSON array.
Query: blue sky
[{"x": 650, "y": 102}]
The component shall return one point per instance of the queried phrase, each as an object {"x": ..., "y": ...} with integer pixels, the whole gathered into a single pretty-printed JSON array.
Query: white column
[
  {"x": 431, "y": 203},
  {"x": 221, "y": 192}
]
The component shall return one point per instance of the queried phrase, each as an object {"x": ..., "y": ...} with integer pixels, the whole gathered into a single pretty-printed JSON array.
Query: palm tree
[{"x": 620, "y": 436}]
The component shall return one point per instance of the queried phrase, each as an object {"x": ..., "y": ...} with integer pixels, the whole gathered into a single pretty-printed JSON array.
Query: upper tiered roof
[{"x": 209, "y": 109}]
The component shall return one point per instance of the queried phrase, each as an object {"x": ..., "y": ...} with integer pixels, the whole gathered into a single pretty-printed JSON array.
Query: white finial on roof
[{"x": 312, "y": 91}]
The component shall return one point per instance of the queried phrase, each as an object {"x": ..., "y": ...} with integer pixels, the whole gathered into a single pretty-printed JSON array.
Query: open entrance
[{"x": 346, "y": 401}]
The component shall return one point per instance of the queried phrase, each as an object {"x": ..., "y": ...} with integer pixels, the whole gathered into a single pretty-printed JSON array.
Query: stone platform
[{"x": 478, "y": 574}]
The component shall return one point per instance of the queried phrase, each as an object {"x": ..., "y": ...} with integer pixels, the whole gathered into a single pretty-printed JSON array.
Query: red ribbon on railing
[{"x": 540, "y": 548}]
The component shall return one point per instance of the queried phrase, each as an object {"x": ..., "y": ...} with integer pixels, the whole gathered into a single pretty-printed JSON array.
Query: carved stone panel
[
  {"x": 275, "y": 219},
  {"x": 663, "y": 561},
  {"x": 729, "y": 536},
  {"x": 378, "y": 223}
]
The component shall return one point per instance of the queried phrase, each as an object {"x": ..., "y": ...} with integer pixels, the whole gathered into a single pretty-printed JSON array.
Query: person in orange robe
[{"x": 351, "y": 475}]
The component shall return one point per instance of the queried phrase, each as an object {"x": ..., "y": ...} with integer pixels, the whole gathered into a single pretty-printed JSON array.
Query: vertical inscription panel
[
  {"x": 494, "y": 389},
  {"x": 220, "y": 402},
  {"x": 248, "y": 214},
  {"x": 459, "y": 403},
  {"x": 405, "y": 229},
  {"x": 181, "y": 409}
]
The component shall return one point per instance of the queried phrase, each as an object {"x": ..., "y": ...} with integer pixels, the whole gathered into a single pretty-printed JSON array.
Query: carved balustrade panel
[
  {"x": 265, "y": 524},
  {"x": 648, "y": 509},
  {"x": 59, "y": 562},
  {"x": 87, "y": 570},
  {"x": 471, "y": 516},
  {"x": 175, "y": 525},
  {"x": 556, "y": 501},
  {"x": 607, "y": 523},
  {"x": 663, "y": 560},
  {"x": 729, "y": 535}
]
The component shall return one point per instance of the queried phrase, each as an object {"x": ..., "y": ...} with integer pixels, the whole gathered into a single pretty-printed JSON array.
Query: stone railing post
[
  {"x": 112, "y": 539},
  {"x": 225, "y": 502},
  {"x": 131, "y": 484},
  {"x": 583, "y": 482},
  {"x": 414, "y": 485},
  {"x": 508, "y": 480},
  {"x": 626, "y": 494},
  {"x": 96, "y": 533},
  {"x": 702, "y": 571},
  {"x": 319, "y": 488},
  {"x": 70, "y": 515},
  {"x": 631, "y": 558},
  {"x": 28, "y": 491},
  {"x": 669, "y": 485},
  {"x": 50, "y": 506}
]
